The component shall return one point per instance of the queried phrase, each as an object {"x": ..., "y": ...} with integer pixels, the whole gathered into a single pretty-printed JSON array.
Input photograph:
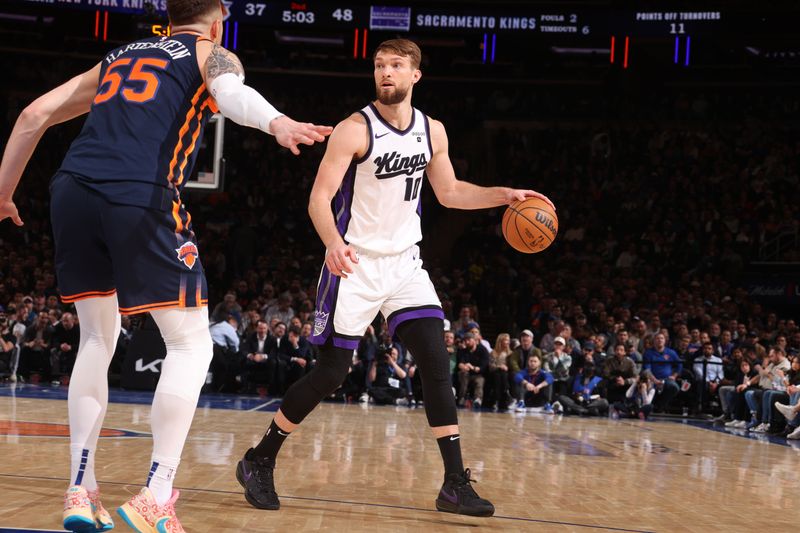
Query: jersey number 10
[
  {"x": 412, "y": 188},
  {"x": 140, "y": 85}
]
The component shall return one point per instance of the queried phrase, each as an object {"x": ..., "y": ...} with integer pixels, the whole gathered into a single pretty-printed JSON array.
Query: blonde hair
[
  {"x": 498, "y": 346},
  {"x": 401, "y": 47}
]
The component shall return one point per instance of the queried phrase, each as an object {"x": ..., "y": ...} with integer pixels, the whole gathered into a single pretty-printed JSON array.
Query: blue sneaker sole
[{"x": 79, "y": 524}]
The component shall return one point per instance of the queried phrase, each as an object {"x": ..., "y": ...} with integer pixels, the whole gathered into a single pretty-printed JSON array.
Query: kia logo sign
[{"x": 152, "y": 366}]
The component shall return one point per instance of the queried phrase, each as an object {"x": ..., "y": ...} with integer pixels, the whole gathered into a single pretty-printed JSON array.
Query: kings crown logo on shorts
[
  {"x": 188, "y": 254},
  {"x": 320, "y": 321}
]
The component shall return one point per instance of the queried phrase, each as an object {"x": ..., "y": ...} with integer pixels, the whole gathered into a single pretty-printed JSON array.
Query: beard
[{"x": 391, "y": 98}]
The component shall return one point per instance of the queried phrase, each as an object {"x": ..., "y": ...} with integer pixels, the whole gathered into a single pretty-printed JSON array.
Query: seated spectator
[
  {"x": 294, "y": 359},
  {"x": 730, "y": 382},
  {"x": 585, "y": 399},
  {"x": 519, "y": 357},
  {"x": 64, "y": 343},
  {"x": 791, "y": 413},
  {"x": 35, "y": 356},
  {"x": 305, "y": 332},
  {"x": 282, "y": 310},
  {"x": 665, "y": 366},
  {"x": 619, "y": 372},
  {"x": 498, "y": 369},
  {"x": 634, "y": 355},
  {"x": 638, "y": 401},
  {"x": 225, "y": 342},
  {"x": 259, "y": 369},
  {"x": 450, "y": 346},
  {"x": 771, "y": 375},
  {"x": 736, "y": 402},
  {"x": 475, "y": 330},
  {"x": 464, "y": 322},
  {"x": 534, "y": 385},
  {"x": 786, "y": 386},
  {"x": 556, "y": 327},
  {"x": 228, "y": 306},
  {"x": 473, "y": 366},
  {"x": 7, "y": 344},
  {"x": 558, "y": 363},
  {"x": 385, "y": 375},
  {"x": 708, "y": 370}
]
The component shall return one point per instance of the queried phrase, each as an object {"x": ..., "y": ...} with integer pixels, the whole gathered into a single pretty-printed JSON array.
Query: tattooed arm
[{"x": 224, "y": 76}]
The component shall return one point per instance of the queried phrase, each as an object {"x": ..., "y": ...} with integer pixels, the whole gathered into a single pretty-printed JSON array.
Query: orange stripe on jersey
[
  {"x": 198, "y": 297},
  {"x": 189, "y": 115},
  {"x": 83, "y": 295},
  {"x": 190, "y": 149},
  {"x": 212, "y": 104}
]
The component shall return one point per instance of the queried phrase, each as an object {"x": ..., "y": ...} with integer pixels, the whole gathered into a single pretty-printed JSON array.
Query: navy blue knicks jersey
[{"x": 140, "y": 140}]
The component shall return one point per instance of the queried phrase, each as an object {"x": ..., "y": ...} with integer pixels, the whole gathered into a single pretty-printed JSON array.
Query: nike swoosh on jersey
[{"x": 381, "y": 135}]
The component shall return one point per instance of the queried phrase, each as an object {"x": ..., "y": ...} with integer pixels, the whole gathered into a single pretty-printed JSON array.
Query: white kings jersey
[{"x": 377, "y": 207}]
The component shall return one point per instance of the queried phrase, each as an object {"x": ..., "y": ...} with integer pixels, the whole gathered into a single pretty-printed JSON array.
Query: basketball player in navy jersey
[
  {"x": 124, "y": 241},
  {"x": 372, "y": 171}
]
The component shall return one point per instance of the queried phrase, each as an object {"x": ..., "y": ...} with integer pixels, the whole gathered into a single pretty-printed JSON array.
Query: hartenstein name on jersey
[
  {"x": 175, "y": 49},
  {"x": 389, "y": 165}
]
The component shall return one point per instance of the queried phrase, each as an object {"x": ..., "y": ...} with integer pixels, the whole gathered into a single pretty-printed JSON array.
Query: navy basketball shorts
[
  {"x": 103, "y": 248},
  {"x": 395, "y": 285}
]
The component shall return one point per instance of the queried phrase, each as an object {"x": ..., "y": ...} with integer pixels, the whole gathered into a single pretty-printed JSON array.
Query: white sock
[
  {"x": 82, "y": 467},
  {"x": 88, "y": 389},
  {"x": 162, "y": 474}
]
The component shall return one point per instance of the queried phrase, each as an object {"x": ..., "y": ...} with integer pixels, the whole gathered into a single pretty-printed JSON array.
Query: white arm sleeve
[{"x": 242, "y": 104}]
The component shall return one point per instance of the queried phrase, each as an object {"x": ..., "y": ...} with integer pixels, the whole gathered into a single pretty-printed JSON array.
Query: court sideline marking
[{"x": 345, "y": 502}]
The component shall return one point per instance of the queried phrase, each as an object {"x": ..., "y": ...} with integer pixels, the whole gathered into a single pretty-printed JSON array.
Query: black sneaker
[
  {"x": 458, "y": 496},
  {"x": 255, "y": 474}
]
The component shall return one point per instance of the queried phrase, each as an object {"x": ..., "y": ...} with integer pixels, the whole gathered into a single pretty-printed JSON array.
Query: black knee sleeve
[
  {"x": 424, "y": 338},
  {"x": 326, "y": 376}
]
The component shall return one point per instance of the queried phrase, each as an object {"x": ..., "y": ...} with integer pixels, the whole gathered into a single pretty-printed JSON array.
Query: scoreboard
[{"x": 463, "y": 18}]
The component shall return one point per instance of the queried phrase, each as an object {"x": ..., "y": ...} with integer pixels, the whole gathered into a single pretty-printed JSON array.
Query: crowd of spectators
[{"x": 659, "y": 221}]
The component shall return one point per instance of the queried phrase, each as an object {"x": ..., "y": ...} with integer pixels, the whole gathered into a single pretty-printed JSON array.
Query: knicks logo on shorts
[
  {"x": 188, "y": 254},
  {"x": 320, "y": 321}
]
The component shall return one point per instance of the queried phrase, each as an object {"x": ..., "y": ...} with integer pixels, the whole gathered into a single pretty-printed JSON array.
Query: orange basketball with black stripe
[{"x": 530, "y": 225}]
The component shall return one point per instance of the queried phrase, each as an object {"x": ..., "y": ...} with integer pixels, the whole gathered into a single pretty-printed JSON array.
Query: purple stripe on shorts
[
  {"x": 399, "y": 318},
  {"x": 347, "y": 344},
  {"x": 326, "y": 304}
]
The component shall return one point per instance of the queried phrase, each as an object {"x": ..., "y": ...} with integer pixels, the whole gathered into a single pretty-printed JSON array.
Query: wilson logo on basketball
[
  {"x": 188, "y": 254},
  {"x": 546, "y": 221}
]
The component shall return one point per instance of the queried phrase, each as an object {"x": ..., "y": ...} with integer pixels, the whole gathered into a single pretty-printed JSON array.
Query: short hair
[
  {"x": 404, "y": 48},
  {"x": 295, "y": 330},
  {"x": 188, "y": 11}
]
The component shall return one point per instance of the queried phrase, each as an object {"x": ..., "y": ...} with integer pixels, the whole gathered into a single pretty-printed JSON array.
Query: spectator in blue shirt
[
  {"x": 534, "y": 385},
  {"x": 585, "y": 399},
  {"x": 665, "y": 365}
]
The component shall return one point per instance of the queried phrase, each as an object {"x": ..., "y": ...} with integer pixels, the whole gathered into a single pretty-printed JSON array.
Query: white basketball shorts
[{"x": 395, "y": 285}]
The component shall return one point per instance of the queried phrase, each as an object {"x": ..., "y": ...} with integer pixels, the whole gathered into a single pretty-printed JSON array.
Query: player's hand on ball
[
  {"x": 340, "y": 260},
  {"x": 290, "y": 133},
  {"x": 9, "y": 210},
  {"x": 518, "y": 195}
]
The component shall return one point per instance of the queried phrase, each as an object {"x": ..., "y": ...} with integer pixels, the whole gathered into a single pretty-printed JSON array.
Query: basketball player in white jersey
[{"x": 372, "y": 171}]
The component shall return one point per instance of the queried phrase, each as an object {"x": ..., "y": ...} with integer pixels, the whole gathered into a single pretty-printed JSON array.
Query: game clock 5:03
[{"x": 297, "y": 13}]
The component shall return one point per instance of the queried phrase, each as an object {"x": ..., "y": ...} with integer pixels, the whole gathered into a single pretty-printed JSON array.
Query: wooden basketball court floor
[{"x": 359, "y": 468}]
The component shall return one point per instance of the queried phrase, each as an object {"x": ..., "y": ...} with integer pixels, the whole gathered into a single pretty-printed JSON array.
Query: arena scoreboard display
[{"x": 462, "y": 18}]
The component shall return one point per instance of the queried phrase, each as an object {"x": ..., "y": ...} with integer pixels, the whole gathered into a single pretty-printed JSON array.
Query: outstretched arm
[
  {"x": 224, "y": 76},
  {"x": 452, "y": 192},
  {"x": 63, "y": 103}
]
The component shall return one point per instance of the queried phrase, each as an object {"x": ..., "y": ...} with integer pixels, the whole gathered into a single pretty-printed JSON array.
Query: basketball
[{"x": 530, "y": 225}]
